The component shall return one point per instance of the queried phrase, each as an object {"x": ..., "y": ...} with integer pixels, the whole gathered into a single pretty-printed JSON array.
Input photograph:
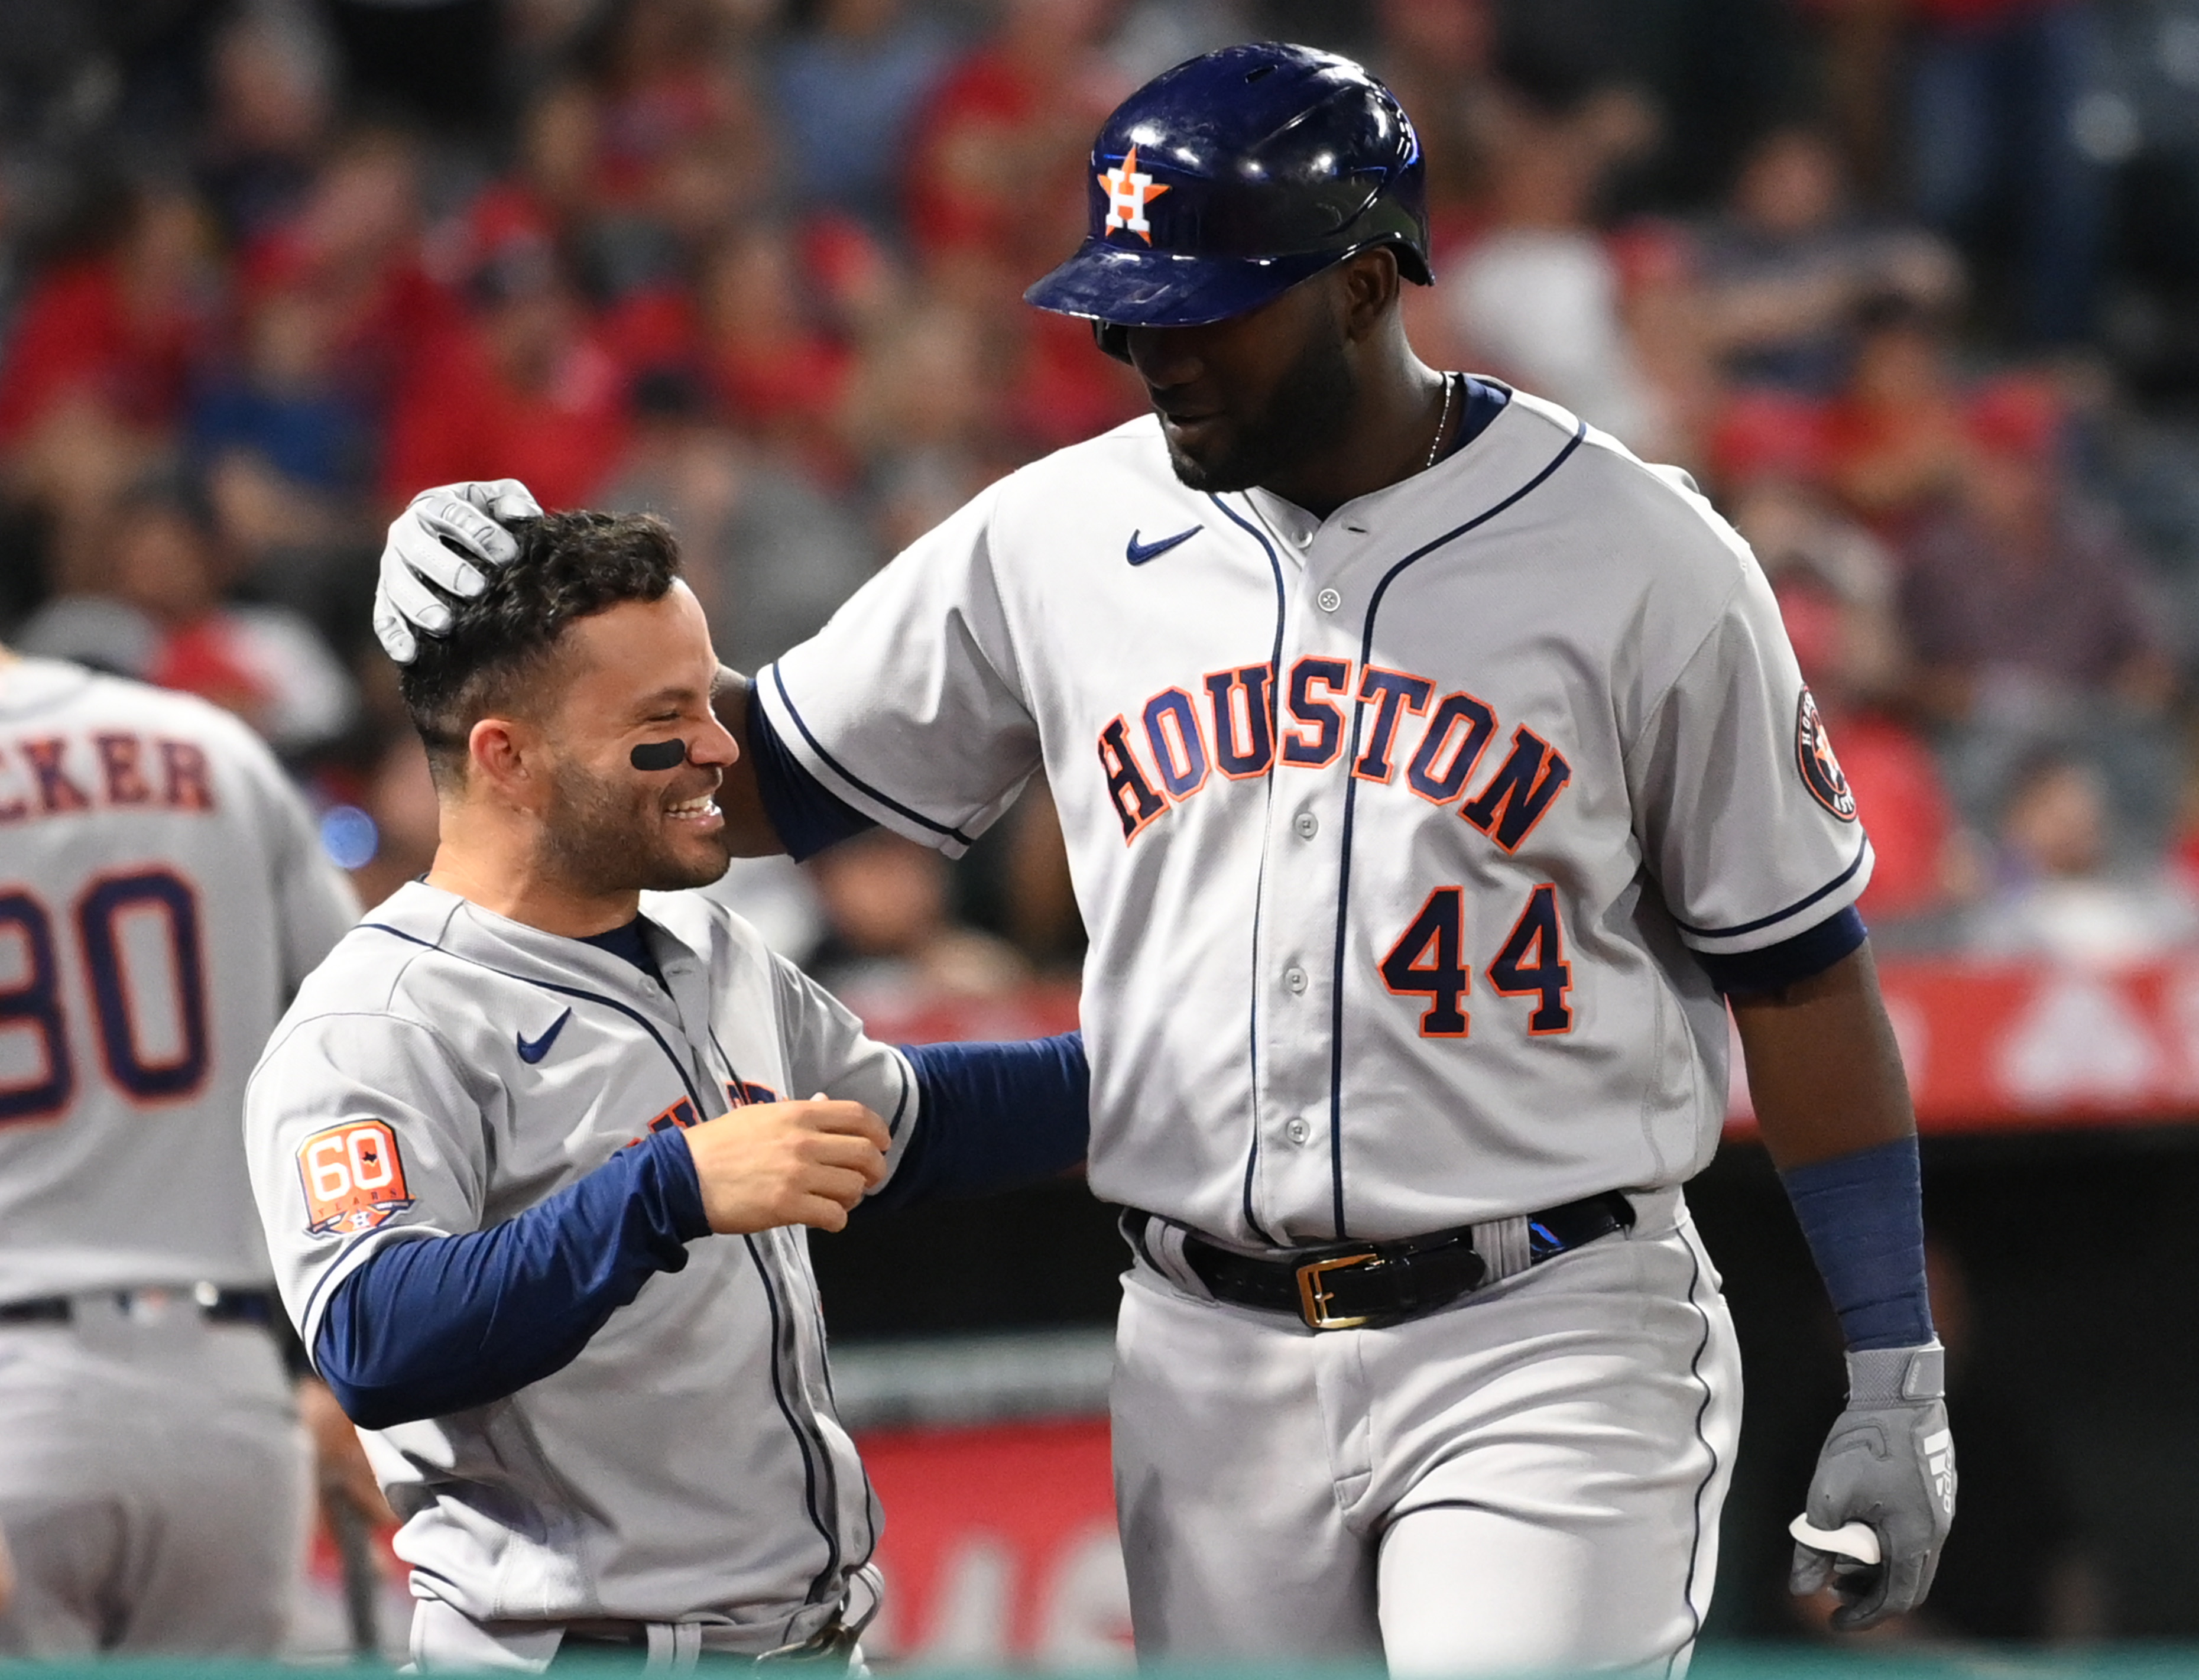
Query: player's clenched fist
[{"x": 788, "y": 1163}]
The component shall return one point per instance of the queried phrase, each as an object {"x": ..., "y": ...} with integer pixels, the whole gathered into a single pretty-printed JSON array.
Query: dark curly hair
[{"x": 570, "y": 566}]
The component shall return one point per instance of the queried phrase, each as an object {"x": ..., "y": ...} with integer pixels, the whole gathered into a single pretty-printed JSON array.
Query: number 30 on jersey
[{"x": 1428, "y": 962}]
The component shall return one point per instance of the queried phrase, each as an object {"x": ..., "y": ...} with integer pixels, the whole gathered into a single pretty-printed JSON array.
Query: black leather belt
[
  {"x": 215, "y": 1306},
  {"x": 1354, "y": 1286}
]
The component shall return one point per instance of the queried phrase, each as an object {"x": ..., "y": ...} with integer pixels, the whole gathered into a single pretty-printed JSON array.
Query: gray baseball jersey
[
  {"x": 1392, "y": 831},
  {"x": 447, "y": 1068},
  {"x": 162, "y": 891}
]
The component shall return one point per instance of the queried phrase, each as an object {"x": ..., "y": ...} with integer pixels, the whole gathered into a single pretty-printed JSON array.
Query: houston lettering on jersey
[
  {"x": 1178, "y": 739},
  {"x": 65, "y": 775}
]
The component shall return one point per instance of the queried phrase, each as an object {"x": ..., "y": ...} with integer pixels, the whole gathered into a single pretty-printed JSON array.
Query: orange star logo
[{"x": 1128, "y": 192}]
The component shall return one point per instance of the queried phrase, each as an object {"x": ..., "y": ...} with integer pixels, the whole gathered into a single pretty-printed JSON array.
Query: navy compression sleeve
[
  {"x": 992, "y": 1117},
  {"x": 440, "y": 1324},
  {"x": 1862, "y": 1215},
  {"x": 1775, "y": 967},
  {"x": 806, "y": 815}
]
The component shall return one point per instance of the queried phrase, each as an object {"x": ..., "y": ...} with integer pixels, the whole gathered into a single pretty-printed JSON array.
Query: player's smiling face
[
  {"x": 1245, "y": 400},
  {"x": 638, "y": 674}
]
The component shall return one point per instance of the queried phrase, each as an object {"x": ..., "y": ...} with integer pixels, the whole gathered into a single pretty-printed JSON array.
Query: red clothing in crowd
[
  {"x": 460, "y": 417},
  {"x": 1904, "y": 805},
  {"x": 77, "y": 334}
]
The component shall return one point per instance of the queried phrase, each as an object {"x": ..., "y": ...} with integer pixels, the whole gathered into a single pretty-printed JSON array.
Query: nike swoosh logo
[
  {"x": 1138, "y": 553},
  {"x": 531, "y": 1054}
]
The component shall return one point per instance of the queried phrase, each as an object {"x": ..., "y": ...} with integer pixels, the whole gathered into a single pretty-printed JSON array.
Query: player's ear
[
  {"x": 501, "y": 754},
  {"x": 1371, "y": 283}
]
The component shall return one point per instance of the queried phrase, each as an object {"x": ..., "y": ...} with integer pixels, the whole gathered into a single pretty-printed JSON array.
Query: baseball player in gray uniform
[
  {"x": 162, "y": 891},
  {"x": 1435, "y": 776},
  {"x": 533, "y": 1149}
]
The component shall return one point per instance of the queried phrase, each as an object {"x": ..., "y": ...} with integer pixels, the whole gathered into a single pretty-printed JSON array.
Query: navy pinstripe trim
[
  {"x": 1862, "y": 850},
  {"x": 1260, "y": 881},
  {"x": 1695, "y": 1545},
  {"x": 857, "y": 782},
  {"x": 1351, "y": 807},
  {"x": 828, "y": 1532}
]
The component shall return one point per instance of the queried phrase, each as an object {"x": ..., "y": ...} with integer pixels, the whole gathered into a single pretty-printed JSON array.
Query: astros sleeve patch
[
  {"x": 353, "y": 1178},
  {"x": 1821, "y": 770}
]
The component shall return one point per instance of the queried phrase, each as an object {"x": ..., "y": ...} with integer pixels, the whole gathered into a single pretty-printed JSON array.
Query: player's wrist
[{"x": 1897, "y": 1376}]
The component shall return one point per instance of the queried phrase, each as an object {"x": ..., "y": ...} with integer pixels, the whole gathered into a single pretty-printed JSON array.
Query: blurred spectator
[
  {"x": 525, "y": 390},
  {"x": 845, "y": 89},
  {"x": 778, "y": 373},
  {"x": 1836, "y": 589},
  {"x": 158, "y": 614},
  {"x": 1896, "y": 437},
  {"x": 550, "y": 198},
  {"x": 271, "y": 78},
  {"x": 353, "y": 249},
  {"x": 994, "y": 181},
  {"x": 1998, "y": 129},
  {"x": 2061, "y": 892},
  {"x": 400, "y": 804},
  {"x": 116, "y": 329},
  {"x": 281, "y": 405},
  {"x": 1785, "y": 268},
  {"x": 1537, "y": 297},
  {"x": 768, "y": 553},
  {"x": 892, "y": 939}
]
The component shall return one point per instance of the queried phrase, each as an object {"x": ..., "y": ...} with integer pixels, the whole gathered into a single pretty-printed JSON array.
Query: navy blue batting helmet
[{"x": 1224, "y": 182}]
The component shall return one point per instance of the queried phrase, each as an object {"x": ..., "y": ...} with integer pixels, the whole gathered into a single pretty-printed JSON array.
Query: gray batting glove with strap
[
  {"x": 418, "y": 555},
  {"x": 1889, "y": 1465}
]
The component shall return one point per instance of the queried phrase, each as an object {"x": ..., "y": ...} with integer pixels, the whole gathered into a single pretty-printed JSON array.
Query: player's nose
[
  {"x": 714, "y": 744},
  {"x": 1165, "y": 357}
]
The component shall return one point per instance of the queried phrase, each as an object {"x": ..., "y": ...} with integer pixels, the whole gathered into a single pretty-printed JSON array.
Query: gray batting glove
[
  {"x": 1889, "y": 1464},
  {"x": 417, "y": 555}
]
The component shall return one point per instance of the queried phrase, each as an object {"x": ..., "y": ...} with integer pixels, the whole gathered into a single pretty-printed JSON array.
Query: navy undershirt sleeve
[
  {"x": 1862, "y": 1215},
  {"x": 442, "y": 1324},
  {"x": 1775, "y": 967},
  {"x": 992, "y": 1117},
  {"x": 807, "y": 815}
]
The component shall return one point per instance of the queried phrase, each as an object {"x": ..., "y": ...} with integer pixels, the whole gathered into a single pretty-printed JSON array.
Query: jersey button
[
  {"x": 1306, "y": 824},
  {"x": 1298, "y": 1131},
  {"x": 1294, "y": 979},
  {"x": 1328, "y": 600}
]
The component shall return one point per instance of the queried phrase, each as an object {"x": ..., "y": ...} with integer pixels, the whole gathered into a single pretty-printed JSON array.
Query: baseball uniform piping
[
  {"x": 1862, "y": 850},
  {"x": 1695, "y": 1370},
  {"x": 945, "y": 830},
  {"x": 1260, "y": 879},
  {"x": 828, "y": 1533},
  {"x": 1351, "y": 810}
]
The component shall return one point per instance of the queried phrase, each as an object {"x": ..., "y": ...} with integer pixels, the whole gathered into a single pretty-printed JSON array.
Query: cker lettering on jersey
[
  {"x": 1394, "y": 719},
  {"x": 67, "y": 775}
]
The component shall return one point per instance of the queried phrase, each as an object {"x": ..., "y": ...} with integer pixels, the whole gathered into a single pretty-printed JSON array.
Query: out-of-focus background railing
[{"x": 1911, "y": 286}]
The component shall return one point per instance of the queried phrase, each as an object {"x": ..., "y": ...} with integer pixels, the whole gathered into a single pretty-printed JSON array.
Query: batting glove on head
[
  {"x": 444, "y": 537},
  {"x": 1889, "y": 1464}
]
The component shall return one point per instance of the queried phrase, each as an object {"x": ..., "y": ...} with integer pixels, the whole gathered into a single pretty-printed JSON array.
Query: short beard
[
  {"x": 602, "y": 841},
  {"x": 1314, "y": 396}
]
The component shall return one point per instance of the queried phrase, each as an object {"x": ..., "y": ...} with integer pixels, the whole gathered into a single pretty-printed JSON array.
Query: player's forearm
[
  {"x": 1825, "y": 1075},
  {"x": 992, "y": 1117},
  {"x": 1824, "y": 1071},
  {"x": 443, "y": 1324}
]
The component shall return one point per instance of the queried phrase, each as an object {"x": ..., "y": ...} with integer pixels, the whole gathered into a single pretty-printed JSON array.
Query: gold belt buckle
[{"x": 1313, "y": 1299}]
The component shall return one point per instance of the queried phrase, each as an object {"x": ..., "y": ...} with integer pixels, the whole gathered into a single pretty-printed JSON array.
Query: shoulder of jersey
[
  {"x": 1136, "y": 446},
  {"x": 72, "y": 688},
  {"x": 365, "y": 972},
  {"x": 1656, "y": 513}
]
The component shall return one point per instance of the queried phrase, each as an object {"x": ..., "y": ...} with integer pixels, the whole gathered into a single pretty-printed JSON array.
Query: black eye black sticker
[{"x": 659, "y": 756}]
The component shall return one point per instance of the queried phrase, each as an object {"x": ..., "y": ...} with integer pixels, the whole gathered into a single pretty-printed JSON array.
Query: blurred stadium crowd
[{"x": 1907, "y": 284}]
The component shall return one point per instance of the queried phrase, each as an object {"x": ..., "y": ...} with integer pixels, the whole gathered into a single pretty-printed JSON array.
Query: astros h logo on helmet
[{"x": 1129, "y": 191}]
